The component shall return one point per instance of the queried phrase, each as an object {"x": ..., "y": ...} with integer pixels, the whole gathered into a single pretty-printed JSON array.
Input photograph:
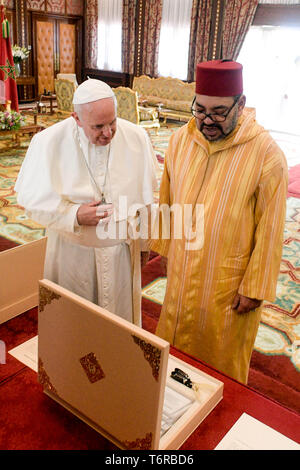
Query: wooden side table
[
  {"x": 51, "y": 99},
  {"x": 15, "y": 135},
  {"x": 32, "y": 113},
  {"x": 169, "y": 114},
  {"x": 27, "y": 130}
]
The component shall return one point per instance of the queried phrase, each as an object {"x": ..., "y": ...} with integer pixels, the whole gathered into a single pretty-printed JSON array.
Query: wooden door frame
[
  {"x": 78, "y": 22},
  {"x": 57, "y": 19}
]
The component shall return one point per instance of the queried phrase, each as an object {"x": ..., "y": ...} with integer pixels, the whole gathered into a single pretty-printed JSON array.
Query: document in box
[
  {"x": 250, "y": 434},
  {"x": 27, "y": 353},
  {"x": 175, "y": 405}
]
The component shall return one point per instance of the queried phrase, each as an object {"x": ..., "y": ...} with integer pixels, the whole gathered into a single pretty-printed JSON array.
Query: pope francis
[{"x": 73, "y": 177}]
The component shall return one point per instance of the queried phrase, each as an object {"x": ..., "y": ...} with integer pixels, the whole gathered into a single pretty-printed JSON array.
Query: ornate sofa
[{"x": 171, "y": 96}]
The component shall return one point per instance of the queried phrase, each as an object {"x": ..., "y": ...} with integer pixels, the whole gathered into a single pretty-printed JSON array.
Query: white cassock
[{"x": 54, "y": 181}]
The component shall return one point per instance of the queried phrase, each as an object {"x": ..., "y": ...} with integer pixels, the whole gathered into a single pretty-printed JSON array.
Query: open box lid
[{"x": 109, "y": 371}]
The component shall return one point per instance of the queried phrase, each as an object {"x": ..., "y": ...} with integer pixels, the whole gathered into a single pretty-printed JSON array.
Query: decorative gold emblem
[
  {"x": 92, "y": 367},
  {"x": 44, "y": 378},
  {"x": 139, "y": 444},
  {"x": 8, "y": 70},
  {"x": 151, "y": 354},
  {"x": 46, "y": 297}
]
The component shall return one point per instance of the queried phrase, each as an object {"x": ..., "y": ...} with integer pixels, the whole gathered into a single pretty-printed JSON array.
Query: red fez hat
[{"x": 219, "y": 78}]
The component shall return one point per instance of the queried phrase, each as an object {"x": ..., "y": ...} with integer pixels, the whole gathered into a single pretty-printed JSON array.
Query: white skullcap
[{"x": 92, "y": 90}]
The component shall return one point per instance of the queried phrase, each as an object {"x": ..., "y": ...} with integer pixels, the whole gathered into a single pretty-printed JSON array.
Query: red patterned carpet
[{"x": 6, "y": 244}]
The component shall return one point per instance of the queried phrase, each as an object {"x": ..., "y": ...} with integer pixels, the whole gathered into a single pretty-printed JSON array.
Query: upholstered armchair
[
  {"x": 129, "y": 109},
  {"x": 68, "y": 76},
  {"x": 64, "y": 90}
]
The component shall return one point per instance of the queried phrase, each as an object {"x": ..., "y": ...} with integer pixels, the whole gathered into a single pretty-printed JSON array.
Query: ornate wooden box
[{"x": 113, "y": 375}]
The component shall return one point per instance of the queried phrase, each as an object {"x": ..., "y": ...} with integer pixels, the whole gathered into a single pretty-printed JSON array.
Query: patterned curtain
[
  {"x": 238, "y": 18},
  {"x": 91, "y": 30},
  {"x": 150, "y": 40},
  {"x": 128, "y": 35},
  {"x": 199, "y": 35}
]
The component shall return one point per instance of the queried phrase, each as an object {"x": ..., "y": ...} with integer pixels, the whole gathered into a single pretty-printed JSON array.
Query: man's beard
[
  {"x": 221, "y": 136},
  {"x": 216, "y": 125}
]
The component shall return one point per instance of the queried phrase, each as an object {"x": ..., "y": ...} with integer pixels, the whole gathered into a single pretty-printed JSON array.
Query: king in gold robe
[{"x": 241, "y": 184}]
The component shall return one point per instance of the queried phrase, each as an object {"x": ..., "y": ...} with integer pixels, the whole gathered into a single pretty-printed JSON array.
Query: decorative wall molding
[
  {"x": 36, "y": 5},
  {"x": 69, "y": 7},
  {"x": 9, "y": 4},
  {"x": 75, "y": 7}
]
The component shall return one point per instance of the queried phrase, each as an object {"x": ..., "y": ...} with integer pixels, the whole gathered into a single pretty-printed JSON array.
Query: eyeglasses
[{"x": 214, "y": 117}]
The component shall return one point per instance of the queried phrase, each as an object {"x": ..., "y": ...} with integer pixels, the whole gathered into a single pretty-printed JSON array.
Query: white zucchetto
[{"x": 92, "y": 90}]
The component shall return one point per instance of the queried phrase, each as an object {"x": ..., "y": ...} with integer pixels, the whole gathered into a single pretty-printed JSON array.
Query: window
[
  {"x": 271, "y": 60},
  {"x": 174, "y": 38},
  {"x": 110, "y": 35}
]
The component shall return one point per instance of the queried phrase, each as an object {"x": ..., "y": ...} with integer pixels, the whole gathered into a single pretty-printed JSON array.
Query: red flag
[{"x": 7, "y": 68}]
